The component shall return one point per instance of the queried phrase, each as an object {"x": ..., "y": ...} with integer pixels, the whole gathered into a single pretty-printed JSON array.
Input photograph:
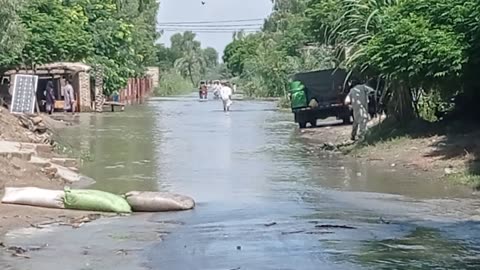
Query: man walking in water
[
  {"x": 358, "y": 98},
  {"x": 226, "y": 96}
]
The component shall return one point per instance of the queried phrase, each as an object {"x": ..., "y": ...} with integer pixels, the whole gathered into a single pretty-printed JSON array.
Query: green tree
[
  {"x": 12, "y": 33},
  {"x": 55, "y": 33},
  {"x": 237, "y": 52},
  {"x": 192, "y": 64},
  {"x": 211, "y": 57}
]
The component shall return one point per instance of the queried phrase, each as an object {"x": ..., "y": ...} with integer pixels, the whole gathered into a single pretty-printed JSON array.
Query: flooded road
[{"x": 266, "y": 199}]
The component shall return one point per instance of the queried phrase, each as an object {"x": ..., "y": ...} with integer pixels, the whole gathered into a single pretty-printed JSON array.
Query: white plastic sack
[
  {"x": 158, "y": 201},
  {"x": 34, "y": 197}
]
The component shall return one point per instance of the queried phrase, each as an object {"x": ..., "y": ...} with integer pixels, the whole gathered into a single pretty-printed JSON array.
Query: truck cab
[{"x": 321, "y": 96}]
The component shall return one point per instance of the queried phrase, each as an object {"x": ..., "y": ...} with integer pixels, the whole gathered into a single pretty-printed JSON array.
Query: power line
[
  {"x": 212, "y": 22},
  {"x": 208, "y": 26},
  {"x": 212, "y": 31},
  {"x": 209, "y": 29}
]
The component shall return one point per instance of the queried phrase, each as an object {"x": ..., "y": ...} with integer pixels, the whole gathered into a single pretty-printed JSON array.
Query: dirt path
[{"x": 17, "y": 171}]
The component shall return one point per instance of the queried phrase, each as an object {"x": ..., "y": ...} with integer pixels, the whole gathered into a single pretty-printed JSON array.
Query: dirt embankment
[
  {"x": 19, "y": 169},
  {"x": 452, "y": 154}
]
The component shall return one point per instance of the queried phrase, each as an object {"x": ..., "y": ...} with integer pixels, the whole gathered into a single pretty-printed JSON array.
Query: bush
[{"x": 172, "y": 83}]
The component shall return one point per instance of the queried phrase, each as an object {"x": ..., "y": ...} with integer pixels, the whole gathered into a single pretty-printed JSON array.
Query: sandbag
[
  {"x": 34, "y": 197},
  {"x": 158, "y": 201},
  {"x": 95, "y": 200}
]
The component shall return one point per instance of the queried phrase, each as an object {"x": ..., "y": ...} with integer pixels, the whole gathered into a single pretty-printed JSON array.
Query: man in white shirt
[
  {"x": 69, "y": 97},
  {"x": 358, "y": 98},
  {"x": 216, "y": 89},
  {"x": 226, "y": 96}
]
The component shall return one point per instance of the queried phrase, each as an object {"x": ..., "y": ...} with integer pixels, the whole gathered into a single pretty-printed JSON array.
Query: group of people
[
  {"x": 220, "y": 89},
  {"x": 68, "y": 94}
]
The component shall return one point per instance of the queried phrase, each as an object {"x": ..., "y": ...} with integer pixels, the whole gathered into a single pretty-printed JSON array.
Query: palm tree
[{"x": 193, "y": 61}]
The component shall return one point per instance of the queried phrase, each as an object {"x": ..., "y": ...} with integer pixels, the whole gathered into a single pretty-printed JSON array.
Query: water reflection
[{"x": 121, "y": 147}]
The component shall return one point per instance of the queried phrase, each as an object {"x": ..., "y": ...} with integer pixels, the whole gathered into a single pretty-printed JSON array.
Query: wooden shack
[{"x": 58, "y": 72}]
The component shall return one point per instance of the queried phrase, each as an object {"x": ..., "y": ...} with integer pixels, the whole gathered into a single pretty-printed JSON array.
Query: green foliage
[
  {"x": 192, "y": 63},
  {"x": 428, "y": 45},
  {"x": 173, "y": 83},
  {"x": 239, "y": 50},
  {"x": 12, "y": 32},
  {"x": 218, "y": 72},
  {"x": 265, "y": 61},
  {"x": 186, "y": 56},
  {"x": 211, "y": 57},
  {"x": 118, "y": 35}
]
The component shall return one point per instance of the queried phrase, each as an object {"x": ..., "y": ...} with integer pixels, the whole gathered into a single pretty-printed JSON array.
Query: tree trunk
[
  {"x": 190, "y": 74},
  {"x": 401, "y": 102}
]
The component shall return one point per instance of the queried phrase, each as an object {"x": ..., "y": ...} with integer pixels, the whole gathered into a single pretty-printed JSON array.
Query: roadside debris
[
  {"x": 383, "y": 221},
  {"x": 270, "y": 224},
  {"x": 330, "y": 226},
  {"x": 293, "y": 232},
  {"x": 39, "y": 130},
  {"x": 21, "y": 252}
]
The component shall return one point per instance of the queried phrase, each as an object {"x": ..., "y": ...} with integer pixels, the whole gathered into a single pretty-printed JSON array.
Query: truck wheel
[{"x": 302, "y": 124}]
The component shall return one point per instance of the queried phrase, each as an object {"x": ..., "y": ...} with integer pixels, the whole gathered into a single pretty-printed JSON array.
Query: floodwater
[{"x": 266, "y": 199}]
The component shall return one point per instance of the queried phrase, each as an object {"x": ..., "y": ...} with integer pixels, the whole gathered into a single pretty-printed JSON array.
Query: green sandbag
[
  {"x": 298, "y": 100},
  {"x": 296, "y": 86},
  {"x": 95, "y": 200}
]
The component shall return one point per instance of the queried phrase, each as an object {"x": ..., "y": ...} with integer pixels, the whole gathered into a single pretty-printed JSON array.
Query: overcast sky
[{"x": 213, "y": 10}]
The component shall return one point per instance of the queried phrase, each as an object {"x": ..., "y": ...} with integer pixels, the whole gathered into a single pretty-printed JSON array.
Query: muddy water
[{"x": 266, "y": 199}]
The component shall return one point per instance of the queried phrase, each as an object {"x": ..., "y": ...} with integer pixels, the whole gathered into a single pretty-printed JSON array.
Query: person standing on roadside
[
  {"x": 358, "y": 98},
  {"x": 226, "y": 96},
  {"x": 50, "y": 97},
  {"x": 69, "y": 93}
]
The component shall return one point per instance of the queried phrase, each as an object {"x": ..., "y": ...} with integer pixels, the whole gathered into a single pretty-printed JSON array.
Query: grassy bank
[
  {"x": 449, "y": 149},
  {"x": 442, "y": 150}
]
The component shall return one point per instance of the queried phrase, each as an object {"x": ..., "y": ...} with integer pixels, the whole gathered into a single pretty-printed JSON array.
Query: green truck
[{"x": 319, "y": 95}]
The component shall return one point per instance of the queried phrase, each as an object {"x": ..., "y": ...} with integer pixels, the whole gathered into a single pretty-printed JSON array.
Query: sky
[{"x": 213, "y": 10}]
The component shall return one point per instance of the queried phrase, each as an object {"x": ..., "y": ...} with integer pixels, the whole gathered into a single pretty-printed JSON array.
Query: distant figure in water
[
  {"x": 202, "y": 90},
  {"x": 50, "y": 97},
  {"x": 226, "y": 96}
]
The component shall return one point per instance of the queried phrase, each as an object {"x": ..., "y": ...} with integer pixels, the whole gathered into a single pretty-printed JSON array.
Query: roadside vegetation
[
  {"x": 116, "y": 35},
  {"x": 425, "y": 53},
  {"x": 185, "y": 63}
]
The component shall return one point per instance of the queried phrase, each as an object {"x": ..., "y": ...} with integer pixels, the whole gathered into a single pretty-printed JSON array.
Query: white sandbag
[
  {"x": 34, "y": 197},
  {"x": 158, "y": 201}
]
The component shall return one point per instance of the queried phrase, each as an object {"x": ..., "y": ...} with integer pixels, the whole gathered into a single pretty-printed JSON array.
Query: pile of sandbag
[
  {"x": 95, "y": 200},
  {"x": 34, "y": 197},
  {"x": 158, "y": 201}
]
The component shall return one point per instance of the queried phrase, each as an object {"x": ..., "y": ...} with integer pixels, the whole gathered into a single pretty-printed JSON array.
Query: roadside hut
[{"x": 58, "y": 72}]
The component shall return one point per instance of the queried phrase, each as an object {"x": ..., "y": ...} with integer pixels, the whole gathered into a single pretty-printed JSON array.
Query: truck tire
[{"x": 302, "y": 125}]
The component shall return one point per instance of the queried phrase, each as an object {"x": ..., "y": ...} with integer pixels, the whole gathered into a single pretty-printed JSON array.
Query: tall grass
[{"x": 172, "y": 83}]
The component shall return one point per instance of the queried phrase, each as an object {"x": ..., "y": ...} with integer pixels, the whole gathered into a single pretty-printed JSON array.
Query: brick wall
[{"x": 84, "y": 89}]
